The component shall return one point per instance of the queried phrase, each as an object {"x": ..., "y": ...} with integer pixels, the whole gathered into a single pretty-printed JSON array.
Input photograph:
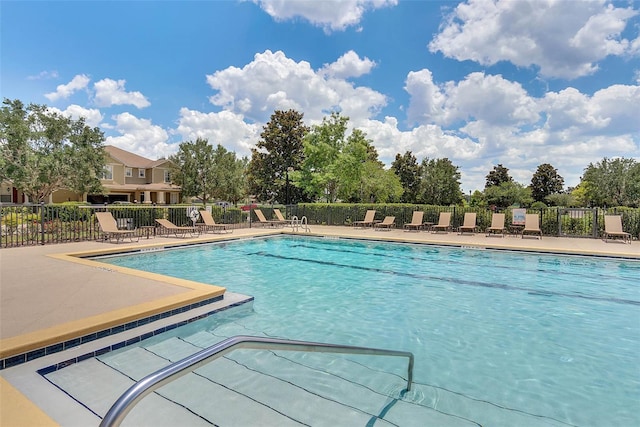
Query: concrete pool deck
[{"x": 46, "y": 295}]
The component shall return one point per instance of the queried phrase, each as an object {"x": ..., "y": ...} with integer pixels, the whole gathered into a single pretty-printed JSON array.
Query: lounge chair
[
  {"x": 110, "y": 231},
  {"x": 170, "y": 228},
  {"x": 388, "y": 222},
  {"x": 497, "y": 224},
  {"x": 282, "y": 219},
  {"x": 613, "y": 228},
  {"x": 209, "y": 224},
  {"x": 368, "y": 221},
  {"x": 416, "y": 221},
  {"x": 532, "y": 225},
  {"x": 268, "y": 222},
  {"x": 444, "y": 223},
  {"x": 469, "y": 223}
]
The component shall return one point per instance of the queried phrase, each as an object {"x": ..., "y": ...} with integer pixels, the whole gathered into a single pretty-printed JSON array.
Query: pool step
[{"x": 243, "y": 388}]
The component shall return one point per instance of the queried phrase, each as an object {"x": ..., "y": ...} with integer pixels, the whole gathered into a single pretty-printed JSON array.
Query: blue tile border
[{"x": 58, "y": 347}]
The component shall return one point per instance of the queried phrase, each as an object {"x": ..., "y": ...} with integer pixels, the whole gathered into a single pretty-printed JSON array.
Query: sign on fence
[{"x": 519, "y": 216}]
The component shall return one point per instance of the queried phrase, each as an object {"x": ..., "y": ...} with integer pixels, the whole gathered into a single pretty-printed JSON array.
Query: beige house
[
  {"x": 127, "y": 177},
  {"x": 131, "y": 178}
]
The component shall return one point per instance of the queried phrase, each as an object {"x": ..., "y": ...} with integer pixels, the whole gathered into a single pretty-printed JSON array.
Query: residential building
[{"x": 127, "y": 177}]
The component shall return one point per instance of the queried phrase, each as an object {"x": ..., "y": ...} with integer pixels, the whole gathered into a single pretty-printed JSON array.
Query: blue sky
[{"x": 480, "y": 82}]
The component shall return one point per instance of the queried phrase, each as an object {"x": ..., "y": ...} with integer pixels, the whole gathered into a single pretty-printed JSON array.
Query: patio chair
[
  {"x": 110, "y": 231},
  {"x": 209, "y": 224},
  {"x": 613, "y": 228},
  {"x": 388, "y": 222},
  {"x": 444, "y": 223},
  {"x": 469, "y": 223},
  {"x": 282, "y": 219},
  {"x": 416, "y": 221},
  {"x": 497, "y": 225},
  {"x": 368, "y": 221},
  {"x": 170, "y": 228},
  {"x": 532, "y": 225},
  {"x": 268, "y": 222}
]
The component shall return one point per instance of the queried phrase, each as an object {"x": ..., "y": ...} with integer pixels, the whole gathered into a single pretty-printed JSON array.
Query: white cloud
[
  {"x": 476, "y": 122},
  {"x": 274, "y": 82},
  {"x": 496, "y": 121},
  {"x": 564, "y": 38},
  {"x": 79, "y": 82},
  {"x": 426, "y": 103},
  {"x": 478, "y": 97},
  {"x": 92, "y": 116},
  {"x": 348, "y": 65},
  {"x": 110, "y": 92},
  {"x": 140, "y": 136},
  {"x": 331, "y": 15},
  {"x": 44, "y": 75},
  {"x": 225, "y": 128}
]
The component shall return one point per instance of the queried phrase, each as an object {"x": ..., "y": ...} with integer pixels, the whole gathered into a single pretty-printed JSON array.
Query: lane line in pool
[{"x": 531, "y": 291}]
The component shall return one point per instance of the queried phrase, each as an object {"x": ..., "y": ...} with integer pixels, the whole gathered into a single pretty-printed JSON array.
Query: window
[
  {"x": 128, "y": 172},
  {"x": 167, "y": 176},
  {"x": 140, "y": 173},
  {"x": 107, "y": 173}
]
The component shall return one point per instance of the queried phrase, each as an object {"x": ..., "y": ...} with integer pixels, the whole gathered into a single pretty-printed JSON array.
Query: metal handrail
[{"x": 151, "y": 382}]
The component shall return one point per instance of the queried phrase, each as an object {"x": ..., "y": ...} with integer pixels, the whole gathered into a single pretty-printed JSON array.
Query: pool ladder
[
  {"x": 151, "y": 382},
  {"x": 296, "y": 224}
]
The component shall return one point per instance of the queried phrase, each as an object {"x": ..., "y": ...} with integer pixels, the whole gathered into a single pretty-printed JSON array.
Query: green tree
[
  {"x": 323, "y": 146},
  {"x": 566, "y": 200},
  {"x": 545, "y": 182},
  {"x": 43, "y": 151},
  {"x": 612, "y": 182},
  {"x": 379, "y": 185},
  {"x": 406, "y": 167},
  {"x": 206, "y": 172},
  {"x": 237, "y": 188},
  {"x": 277, "y": 155},
  {"x": 341, "y": 167},
  {"x": 497, "y": 176},
  {"x": 440, "y": 182},
  {"x": 508, "y": 193}
]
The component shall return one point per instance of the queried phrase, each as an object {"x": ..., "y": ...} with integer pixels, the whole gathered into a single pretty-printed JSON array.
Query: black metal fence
[
  {"x": 23, "y": 225},
  {"x": 582, "y": 222}
]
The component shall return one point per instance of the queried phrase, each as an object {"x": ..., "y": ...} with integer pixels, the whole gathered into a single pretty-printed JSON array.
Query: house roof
[{"x": 132, "y": 160}]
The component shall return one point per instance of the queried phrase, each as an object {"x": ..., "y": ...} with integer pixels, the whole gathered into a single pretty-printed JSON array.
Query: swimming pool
[{"x": 554, "y": 337}]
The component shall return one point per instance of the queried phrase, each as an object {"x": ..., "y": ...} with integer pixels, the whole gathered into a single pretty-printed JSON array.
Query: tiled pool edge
[
  {"x": 19, "y": 359},
  {"x": 52, "y": 368}
]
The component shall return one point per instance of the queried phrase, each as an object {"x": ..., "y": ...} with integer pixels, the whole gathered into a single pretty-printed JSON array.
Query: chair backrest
[
  {"x": 370, "y": 216},
  {"x": 207, "y": 218},
  {"x": 388, "y": 220},
  {"x": 106, "y": 221},
  {"x": 613, "y": 223},
  {"x": 532, "y": 222},
  {"x": 497, "y": 220},
  {"x": 470, "y": 219},
  {"x": 417, "y": 217},
  {"x": 279, "y": 215},
  {"x": 260, "y": 215},
  {"x": 165, "y": 223},
  {"x": 445, "y": 219}
]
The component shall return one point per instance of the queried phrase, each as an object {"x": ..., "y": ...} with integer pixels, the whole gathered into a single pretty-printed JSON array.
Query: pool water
[{"x": 553, "y": 337}]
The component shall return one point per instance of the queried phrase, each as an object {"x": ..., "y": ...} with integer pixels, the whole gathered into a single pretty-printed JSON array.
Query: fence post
[{"x": 42, "y": 223}]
